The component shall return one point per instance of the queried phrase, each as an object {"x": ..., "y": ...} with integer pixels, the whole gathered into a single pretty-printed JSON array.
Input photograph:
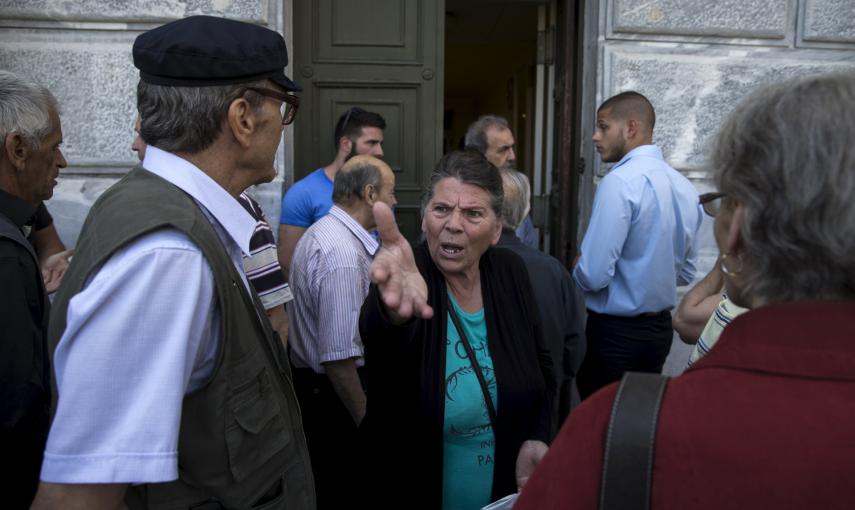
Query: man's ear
[
  {"x": 345, "y": 145},
  {"x": 369, "y": 194},
  {"x": 631, "y": 127},
  {"x": 242, "y": 122},
  {"x": 16, "y": 150}
]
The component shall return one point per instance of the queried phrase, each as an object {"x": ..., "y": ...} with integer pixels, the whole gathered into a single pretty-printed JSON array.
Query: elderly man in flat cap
[{"x": 173, "y": 390}]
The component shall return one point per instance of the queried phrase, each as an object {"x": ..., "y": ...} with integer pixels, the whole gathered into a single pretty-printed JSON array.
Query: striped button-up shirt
[
  {"x": 329, "y": 280},
  {"x": 262, "y": 264}
]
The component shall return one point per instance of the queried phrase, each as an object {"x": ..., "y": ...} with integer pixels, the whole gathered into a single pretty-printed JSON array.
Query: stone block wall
[
  {"x": 82, "y": 52},
  {"x": 695, "y": 60}
]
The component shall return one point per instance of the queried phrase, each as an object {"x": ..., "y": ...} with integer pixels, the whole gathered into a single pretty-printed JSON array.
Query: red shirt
[{"x": 765, "y": 420}]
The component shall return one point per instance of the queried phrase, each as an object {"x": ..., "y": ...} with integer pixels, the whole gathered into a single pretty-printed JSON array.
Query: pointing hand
[{"x": 402, "y": 288}]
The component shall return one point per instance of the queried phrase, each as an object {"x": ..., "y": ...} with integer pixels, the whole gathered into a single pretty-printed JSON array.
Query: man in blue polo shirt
[
  {"x": 640, "y": 244},
  {"x": 357, "y": 132}
]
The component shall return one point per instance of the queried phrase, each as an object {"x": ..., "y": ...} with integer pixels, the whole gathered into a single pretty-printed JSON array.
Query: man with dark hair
[
  {"x": 330, "y": 277},
  {"x": 491, "y": 136},
  {"x": 561, "y": 307},
  {"x": 173, "y": 391},
  {"x": 640, "y": 244},
  {"x": 30, "y": 161},
  {"x": 309, "y": 199}
]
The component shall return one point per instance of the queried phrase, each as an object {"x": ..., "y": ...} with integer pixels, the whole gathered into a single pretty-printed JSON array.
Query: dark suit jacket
[{"x": 562, "y": 312}]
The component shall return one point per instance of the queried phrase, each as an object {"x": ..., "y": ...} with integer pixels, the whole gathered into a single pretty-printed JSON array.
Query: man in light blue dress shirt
[{"x": 640, "y": 244}]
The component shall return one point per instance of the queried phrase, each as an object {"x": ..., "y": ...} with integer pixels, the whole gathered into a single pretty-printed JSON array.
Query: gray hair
[
  {"x": 352, "y": 179},
  {"x": 25, "y": 109},
  {"x": 517, "y": 197},
  {"x": 476, "y": 134},
  {"x": 469, "y": 167},
  {"x": 188, "y": 119},
  {"x": 786, "y": 154}
]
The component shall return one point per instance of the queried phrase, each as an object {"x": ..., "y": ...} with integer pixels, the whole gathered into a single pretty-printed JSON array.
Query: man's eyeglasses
[
  {"x": 288, "y": 108},
  {"x": 711, "y": 202}
]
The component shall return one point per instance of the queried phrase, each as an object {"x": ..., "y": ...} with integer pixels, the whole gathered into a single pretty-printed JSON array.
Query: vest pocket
[{"x": 258, "y": 430}]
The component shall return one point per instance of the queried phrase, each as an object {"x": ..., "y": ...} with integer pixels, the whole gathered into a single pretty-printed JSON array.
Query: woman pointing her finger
[{"x": 458, "y": 410}]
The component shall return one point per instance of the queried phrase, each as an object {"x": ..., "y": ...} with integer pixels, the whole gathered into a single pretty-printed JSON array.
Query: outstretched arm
[
  {"x": 402, "y": 288},
  {"x": 698, "y": 305}
]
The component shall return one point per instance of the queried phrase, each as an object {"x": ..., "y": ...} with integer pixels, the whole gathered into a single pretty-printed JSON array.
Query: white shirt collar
[
  {"x": 235, "y": 220},
  {"x": 356, "y": 228}
]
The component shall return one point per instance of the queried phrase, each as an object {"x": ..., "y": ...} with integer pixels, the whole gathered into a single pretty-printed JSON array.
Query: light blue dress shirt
[
  {"x": 641, "y": 240},
  {"x": 142, "y": 332}
]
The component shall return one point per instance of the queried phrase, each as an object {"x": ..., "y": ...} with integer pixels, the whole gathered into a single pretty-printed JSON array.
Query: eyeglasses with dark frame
[
  {"x": 288, "y": 108},
  {"x": 711, "y": 202}
]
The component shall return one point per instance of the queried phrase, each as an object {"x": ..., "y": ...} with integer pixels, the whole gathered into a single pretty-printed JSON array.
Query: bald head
[
  {"x": 366, "y": 179},
  {"x": 631, "y": 105}
]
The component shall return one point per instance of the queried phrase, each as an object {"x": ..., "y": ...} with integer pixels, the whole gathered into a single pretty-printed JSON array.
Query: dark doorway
[{"x": 490, "y": 58}]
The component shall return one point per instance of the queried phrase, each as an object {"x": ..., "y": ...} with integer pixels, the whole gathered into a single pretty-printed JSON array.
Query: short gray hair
[
  {"x": 476, "y": 135},
  {"x": 352, "y": 179},
  {"x": 25, "y": 109},
  {"x": 468, "y": 167},
  {"x": 787, "y": 155},
  {"x": 517, "y": 200},
  {"x": 187, "y": 119}
]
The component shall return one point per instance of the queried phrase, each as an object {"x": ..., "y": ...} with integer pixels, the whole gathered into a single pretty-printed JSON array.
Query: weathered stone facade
[
  {"x": 82, "y": 52},
  {"x": 695, "y": 59}
]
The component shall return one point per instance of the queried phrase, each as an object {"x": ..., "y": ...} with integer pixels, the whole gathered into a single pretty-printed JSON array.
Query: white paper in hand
[{"x": 506, "y": 503}]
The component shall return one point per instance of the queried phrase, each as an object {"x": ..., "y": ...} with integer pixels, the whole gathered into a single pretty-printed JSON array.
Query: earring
[{"x": 731, "y": 265}]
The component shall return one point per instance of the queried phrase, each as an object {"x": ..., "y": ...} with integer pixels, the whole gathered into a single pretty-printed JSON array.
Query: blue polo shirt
[{"x": 308, "y": 200}]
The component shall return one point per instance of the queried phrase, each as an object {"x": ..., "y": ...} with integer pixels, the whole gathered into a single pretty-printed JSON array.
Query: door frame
[{"x": 570, "y": 165}]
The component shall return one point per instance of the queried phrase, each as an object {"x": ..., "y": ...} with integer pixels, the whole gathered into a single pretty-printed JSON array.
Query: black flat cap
[{"x": 201, "y": 51}]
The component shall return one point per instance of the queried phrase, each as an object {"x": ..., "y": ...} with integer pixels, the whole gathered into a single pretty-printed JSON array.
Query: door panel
[{"x": 381, "y": 55}]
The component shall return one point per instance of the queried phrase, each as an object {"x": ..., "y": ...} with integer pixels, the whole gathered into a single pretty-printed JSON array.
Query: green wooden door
[{"x": 381, "y": 55}]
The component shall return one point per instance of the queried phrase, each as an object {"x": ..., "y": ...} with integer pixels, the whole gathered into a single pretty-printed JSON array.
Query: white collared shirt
[
  {"x": 329, "y": 274},
  {"x": 142, "y": 332}
]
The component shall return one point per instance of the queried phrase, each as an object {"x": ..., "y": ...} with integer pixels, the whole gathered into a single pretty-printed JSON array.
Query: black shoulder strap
[
  {"x": 630, "y": 443},
  {"x": 491, "y": 409}
]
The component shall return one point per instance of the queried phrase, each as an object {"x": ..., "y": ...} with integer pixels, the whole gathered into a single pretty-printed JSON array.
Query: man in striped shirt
[
  {"x": 263, "y": 270},
  {"x": 329, "y": 274}
]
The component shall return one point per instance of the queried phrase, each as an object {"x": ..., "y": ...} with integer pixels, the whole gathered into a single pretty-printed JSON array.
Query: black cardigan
[{"x": 405, "y": 366}]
